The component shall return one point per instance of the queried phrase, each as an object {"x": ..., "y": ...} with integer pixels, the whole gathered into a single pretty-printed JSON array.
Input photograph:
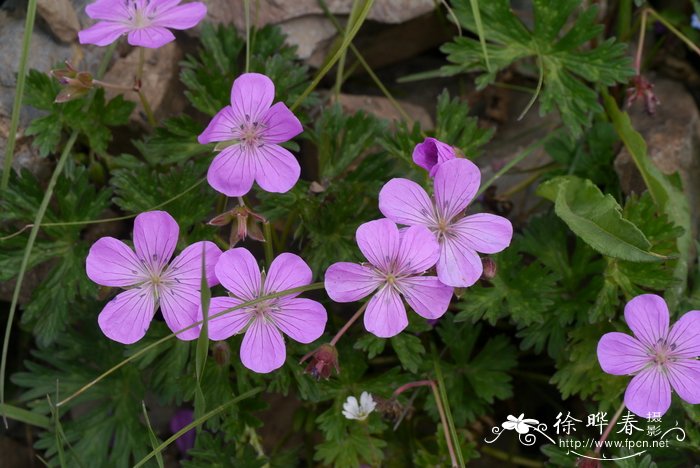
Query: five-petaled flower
[
  {"x": 301, "y": 319},
  {"x": 146, "y": 22},
  {"x": 251, "y": 129},
  {"x": 353, "y": 410},
  {"x": 659, "y": 358},
  {"x": 397, "y": 263},
  {"x": 455, "y": 185},
  {"x": 150, "y": 281},
  {"x": 520, "y": 424},
  {"x": 431, "y": 153}
]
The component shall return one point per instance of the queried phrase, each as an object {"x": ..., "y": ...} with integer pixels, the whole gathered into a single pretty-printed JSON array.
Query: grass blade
[
  {"x": 202, "y": 350},
  {"x": 480, "y": 31},
  {"x": 25, "y": 416},
  {"x": 196, "y": 423},
  {"x": 152, "y": 436},
  {"x": 19, "y": 93}
]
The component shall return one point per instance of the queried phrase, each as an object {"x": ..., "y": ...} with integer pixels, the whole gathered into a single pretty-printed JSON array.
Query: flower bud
[
  {"x": 323, "y": 361},
  {"x": 247, "y": 224},
  {"x": 76, "y": 83},
  {"x": 490, "y": 268},
  {"x": 222, "y": 353}
]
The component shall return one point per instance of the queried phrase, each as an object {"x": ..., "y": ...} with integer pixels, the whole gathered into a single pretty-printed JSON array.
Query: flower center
[
  {"x": 138, "y": 17},
  {"x": 250, "y": 134},
  {"x": 663, "y": 352}
]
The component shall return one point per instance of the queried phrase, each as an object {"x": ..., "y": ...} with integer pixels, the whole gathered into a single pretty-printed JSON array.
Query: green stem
[
  {"x": 19, "y": 93},
  {"x": 673, "y": 29},
  {"x": 145, "y": 349},
  {"x": 441, "y": 394},
  {"x": 106, "y": 220},
  {"x": 624, "y": 19},
  {"x": 25, "y": 259},
  {"x": 364, "y": 64},
  {"x": 516, "y": 160},
  {"x": 196, "y": 423},
  {"x": 269, "y": 253},
  {"x": 353, "y": 29},
  {"x": 147, "y": 109}
]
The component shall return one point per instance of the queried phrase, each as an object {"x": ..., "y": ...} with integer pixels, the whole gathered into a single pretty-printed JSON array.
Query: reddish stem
[
  {"x": 608, "y": 429},
  {"x": 441, "y": 411},
  {"x": 349, "y": 323}
]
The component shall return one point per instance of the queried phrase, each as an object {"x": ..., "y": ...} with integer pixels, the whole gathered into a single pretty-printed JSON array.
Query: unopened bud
[
  {"x": 324, "y": 360},
  {"x": 247, "y": 224},
  {"x": 222, "y": 353},
  {"x": 389, "y": 408},
  {"x": 76, "y": 83},
  {"x": 490, "y": 268}
]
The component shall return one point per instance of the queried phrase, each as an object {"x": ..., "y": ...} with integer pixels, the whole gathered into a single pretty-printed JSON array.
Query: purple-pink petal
[
  {"x": 111, "y": 262},
  {"x": 280, "y": 124},
  {"x": 458, "y": 266},
  {"x": 418, "y": 250},
  {"x": 151, "y": 37},
  {"x": 263, "y": 348},
  {"x": 287, "y": 271},
  {"x": 684, "y": 336},
  {"x": 647, "y": 316},
  {"x": 233, "y": 171},
  {"x": 238, "y": 271},
  {"x": 186, "y": 16},
  {"x": 349, "y": 282},
  {"x": 301, "y": 319},
  {"x": 228, "y": 324},
  {"x": 179, "y": 307},
  {"x": 649, "y": 392},
  {"x": 684, "y": 376},
  {"x": 431, "y": 153},
  {"x": 155, "y": 238},
  {"x": 108, "y": 10},
  {"x": 385, "y": 315},
  {"x": 276, "y": 169},
  {"x": 219, "y": 129},
  {"x": 126, "y": 318},
  {"x": 251, "y": 96},
  {"x": 379, "y": 242},
  {"x": 102, "y": 33},
  {"x": 186, "y": 268},
  {"x": 405, "y": 202},
  {"x": 621, "y": 354},
  {"x": 456, "y": 184},
  {"x": 485, "y": 233},
  {"x": 426, "y": 295}
]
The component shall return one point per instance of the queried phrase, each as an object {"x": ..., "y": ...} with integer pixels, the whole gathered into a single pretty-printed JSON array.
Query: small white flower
[
  {"x": 520, "y": 424},
  {"x": 353, "y": 410}
]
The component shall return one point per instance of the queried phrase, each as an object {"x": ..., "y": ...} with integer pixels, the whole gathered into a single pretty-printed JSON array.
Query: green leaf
[
  {"x": 566, "y": 61},
  {"x": 597, "y": 219},
  {"x": 410, "y": 351},
  {"x": 668, "y": 198}
]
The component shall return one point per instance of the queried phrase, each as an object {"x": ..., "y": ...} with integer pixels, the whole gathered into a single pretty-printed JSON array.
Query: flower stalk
[{"x": 440, "y": 408}]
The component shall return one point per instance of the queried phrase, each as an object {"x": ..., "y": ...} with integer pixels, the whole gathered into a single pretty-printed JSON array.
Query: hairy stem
[
  {"x": 609, "y": 428},
  {"x": 349, "y": 323}
]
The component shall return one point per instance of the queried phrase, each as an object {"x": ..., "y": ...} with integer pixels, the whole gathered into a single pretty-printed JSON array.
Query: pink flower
[
  {"x": 263, "y": 348},
  {"x": 460, "y": 238},
  {"x": 145, "y": 21},
  {"x": 659, "y": 358},
  {"x": 431, "y": 153},
  {"x": 150, "y": 281},
  {"x": 397, "y": 261},
  {"x": 254, "y": 128}
]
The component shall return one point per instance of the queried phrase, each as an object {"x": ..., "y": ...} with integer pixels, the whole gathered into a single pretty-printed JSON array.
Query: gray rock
[
  {"x": 60, "y": 17},
  {"x": 672, "y": 135}
]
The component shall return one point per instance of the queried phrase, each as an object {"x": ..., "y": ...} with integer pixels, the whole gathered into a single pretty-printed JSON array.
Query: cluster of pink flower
[{"x": 436, "y": 233}]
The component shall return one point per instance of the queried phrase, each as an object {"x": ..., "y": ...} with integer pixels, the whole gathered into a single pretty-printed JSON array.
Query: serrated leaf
[
  {"x": 410, "y": 351},
  {"x": 597, "y": 219}
]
